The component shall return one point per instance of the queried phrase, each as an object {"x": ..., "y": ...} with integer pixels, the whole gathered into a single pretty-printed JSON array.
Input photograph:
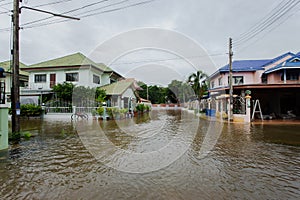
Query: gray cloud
[{"x": 209, "y": 23}]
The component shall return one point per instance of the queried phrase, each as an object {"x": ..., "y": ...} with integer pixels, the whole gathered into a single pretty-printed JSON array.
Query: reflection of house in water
[
  {"x": 122, "y": 94},
  {"x": 275, "y": 82}
]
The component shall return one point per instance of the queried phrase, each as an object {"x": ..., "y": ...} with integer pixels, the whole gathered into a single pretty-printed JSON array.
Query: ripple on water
[{"x": 242, "y": 165}]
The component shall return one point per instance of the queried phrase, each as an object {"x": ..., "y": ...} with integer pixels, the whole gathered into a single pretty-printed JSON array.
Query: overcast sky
[{"x": 208, "y": 23}]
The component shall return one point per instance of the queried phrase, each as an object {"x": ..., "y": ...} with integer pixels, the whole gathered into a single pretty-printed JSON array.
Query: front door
[{"x": 52, "y": 80}]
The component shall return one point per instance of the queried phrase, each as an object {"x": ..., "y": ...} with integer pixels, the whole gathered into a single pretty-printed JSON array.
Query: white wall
[
  {"x": 105, "y": 80},
  {"x": 128, "y": 93},
  {"x": 85, "y": 78}
]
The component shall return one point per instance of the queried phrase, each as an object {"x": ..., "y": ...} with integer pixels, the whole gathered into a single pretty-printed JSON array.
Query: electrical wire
[
  {"x": 51, "y": 3},
  {"x": 266, "y": 17},
  {"x": 35, "y": 24},
  {"x": 67, "y": 12},
  {"x": 267, "y": 23},
  {"x": 241, "y": 48},
  {"x": 89, "y": 15},
  {"x": 168, "y": 59}
]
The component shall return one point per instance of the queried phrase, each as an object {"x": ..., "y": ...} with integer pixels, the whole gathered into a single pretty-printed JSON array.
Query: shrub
[
  {"x": 29, "y": 110},
  {"x": 140, "y": 107}
]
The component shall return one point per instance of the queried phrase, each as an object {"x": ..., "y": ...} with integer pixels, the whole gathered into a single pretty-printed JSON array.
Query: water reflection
[{"x": 247, "y": 162}]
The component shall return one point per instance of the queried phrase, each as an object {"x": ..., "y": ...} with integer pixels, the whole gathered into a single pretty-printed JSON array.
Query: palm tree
[{"x": 195, "y": 80}]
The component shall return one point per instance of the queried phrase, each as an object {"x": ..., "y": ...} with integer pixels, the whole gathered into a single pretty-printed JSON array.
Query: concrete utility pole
[
  {"x": 15, "y": 92},
  {"x": 230, "y": 118}
]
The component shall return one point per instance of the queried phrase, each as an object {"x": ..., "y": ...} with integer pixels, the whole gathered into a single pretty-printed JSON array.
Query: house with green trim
[
  {"x": 122, "y": 94},
  {"x": 75, "y": 68}
]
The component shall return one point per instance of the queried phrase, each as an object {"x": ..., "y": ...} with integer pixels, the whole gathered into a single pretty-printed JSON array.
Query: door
[{"x": 52, "y": 80}]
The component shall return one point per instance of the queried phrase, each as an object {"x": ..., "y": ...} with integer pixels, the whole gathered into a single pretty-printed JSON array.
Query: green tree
[
  {"x": 100, "y": 95},
  {"x": 195, "y": 80},
  {"x": 64, "y": 91},
  {"x": 179, "y": 92}
]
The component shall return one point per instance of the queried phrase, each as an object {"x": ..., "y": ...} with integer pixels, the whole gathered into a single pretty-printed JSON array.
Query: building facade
[{"x": 274, "y": 82}]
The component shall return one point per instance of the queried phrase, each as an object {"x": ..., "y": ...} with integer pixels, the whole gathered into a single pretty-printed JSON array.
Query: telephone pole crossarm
[{"x": 48, "y": 12}]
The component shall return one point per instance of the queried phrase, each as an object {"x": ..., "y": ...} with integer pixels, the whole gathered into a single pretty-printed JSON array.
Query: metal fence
[
  {"x": 239, "y": 105},
  {"x": 70, "y": 109}
]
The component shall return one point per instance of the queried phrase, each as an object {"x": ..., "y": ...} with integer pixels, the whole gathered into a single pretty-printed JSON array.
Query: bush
[
  {"x": 100, "y": 111},
  {"x": 29, "y": 110},
  {"x": 140, "y": 107}
]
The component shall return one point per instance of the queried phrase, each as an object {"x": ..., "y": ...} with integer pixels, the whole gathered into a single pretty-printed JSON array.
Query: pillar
[
  {"x": 248, "y": 108},
  {"x": 3, "y": 126}
]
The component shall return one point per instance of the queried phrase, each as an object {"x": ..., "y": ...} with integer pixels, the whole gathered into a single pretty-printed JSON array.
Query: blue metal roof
[
  {"x": 291, "y": 63},
  {"x": 279, "y": 58},
  {"x": 252, "y": 65},
  {"x": 245, "y": 66}
]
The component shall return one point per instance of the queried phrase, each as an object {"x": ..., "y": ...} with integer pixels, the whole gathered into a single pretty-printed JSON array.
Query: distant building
[{"x": 122, "y": 94}]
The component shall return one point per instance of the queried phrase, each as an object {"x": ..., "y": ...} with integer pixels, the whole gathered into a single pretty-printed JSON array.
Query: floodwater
[{"x": 217, "y": 161}]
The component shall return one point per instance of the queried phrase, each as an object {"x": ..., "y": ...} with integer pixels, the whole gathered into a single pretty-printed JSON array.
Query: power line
[
  {"x": 78, "y": 15},
  {"x": 96, "y": 9},
  {"x": 67, "y": 12},
  {"x": 263, "y": 26},
  {"x": 167, "y": 59},
  {"x": 51, "y": 3},
  {"x": 245, "y": 47},
  {"x": 270, "y": 13},
  {"x": 6, "y": 4},
  {"x": 116, "y": 9},
  {"x": 84, "y": 16},
  {"x": 268, "y": 22}
]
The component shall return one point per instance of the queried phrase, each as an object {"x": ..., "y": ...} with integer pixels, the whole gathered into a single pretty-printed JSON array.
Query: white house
[{"x": 75, "y": 68}]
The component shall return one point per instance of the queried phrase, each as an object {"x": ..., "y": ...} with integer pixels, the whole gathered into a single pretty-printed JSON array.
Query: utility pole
[
  {"x": 230, "y": 118},
  {"x": 147, "y": 93},
  {"x": 15, "y": 92}
]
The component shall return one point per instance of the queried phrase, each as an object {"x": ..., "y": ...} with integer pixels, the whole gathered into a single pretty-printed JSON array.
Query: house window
[
  {"x": 72, "y": 77},
  {"x": 264, "y": 78},
  {"x": 237, "y": 80},
  {"x": 40, "y": 78},
  {"x": 96, "y": 79},
  {"x": 291, "y": 75},
  {"x": 220, "y": 81},
  {"x": 212, "y": 84}
]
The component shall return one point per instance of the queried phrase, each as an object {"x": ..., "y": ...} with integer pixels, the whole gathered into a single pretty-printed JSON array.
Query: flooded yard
[{"x": 74, "y": 160}]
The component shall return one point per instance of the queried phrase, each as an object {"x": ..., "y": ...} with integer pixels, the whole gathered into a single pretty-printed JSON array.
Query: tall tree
[{"x": 195, "y": 80}]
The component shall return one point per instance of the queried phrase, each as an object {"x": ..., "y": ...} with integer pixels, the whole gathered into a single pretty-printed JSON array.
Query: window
[
  {"x": 212, "y": 84},
  {"x": 291, "y": 75},
  {"x": 72, "y": 77},
  {"x": 220, "y": 81},
  {"x": 237, "y": 80},
  {"x": 40, "y": 78},
  {"x": 264, "y": 78},
  {"x": 96, "y": 79}
]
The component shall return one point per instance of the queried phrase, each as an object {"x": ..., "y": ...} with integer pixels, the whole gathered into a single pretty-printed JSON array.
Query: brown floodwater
[{"x": 143, "y": 158}]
